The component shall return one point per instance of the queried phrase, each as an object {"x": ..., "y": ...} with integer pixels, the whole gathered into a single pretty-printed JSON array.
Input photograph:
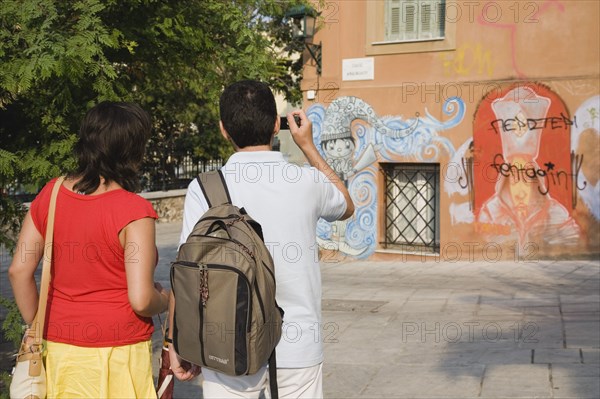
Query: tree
[{"x": 58, "y": 58}]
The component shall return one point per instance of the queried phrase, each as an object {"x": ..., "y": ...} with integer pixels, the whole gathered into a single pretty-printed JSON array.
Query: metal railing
[
  {"x": 157, "y": 176},
  {"x": 173, "y": 174}
]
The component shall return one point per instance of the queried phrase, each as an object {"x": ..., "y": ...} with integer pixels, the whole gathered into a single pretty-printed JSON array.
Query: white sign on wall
[{"x": 358, "y": 69}]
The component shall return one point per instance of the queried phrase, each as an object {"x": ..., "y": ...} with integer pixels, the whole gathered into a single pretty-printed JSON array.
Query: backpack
[{"x": 226, "y": 317}]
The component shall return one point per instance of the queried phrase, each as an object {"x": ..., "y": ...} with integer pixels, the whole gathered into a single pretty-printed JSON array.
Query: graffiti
[
  {"x": 585, "y": 137},
  {"x": 531, "y": 173},
  {"x": 468, "y": 60},
  {"x": 593, "y": 112},
  {"x": 512, "y": 28},
  {"x": 515, "y": 124},
  {"x": 344, "y": 110},
  {"x": 353, "y": 138},
  {"x": 459, "y": 180},
  {"x": 466, "y": 180},
  {"x": 511, "y": 188}
]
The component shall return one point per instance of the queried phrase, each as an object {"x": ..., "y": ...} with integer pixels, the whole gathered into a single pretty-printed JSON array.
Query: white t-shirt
[{"x": 287, "y": 201}]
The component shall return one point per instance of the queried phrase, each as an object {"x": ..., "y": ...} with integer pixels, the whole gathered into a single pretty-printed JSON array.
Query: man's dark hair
[
  {"x": 248, "y": 113},
  {"x": 112, "y": 142}
]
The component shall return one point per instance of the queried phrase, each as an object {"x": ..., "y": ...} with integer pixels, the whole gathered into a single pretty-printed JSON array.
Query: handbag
[
  {"x": 29, "y": 375},
  {"x": 165, "y": 383}
]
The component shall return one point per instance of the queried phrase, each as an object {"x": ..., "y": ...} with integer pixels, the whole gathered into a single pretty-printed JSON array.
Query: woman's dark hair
[
  {"x": 248, "y": 113},
  {"x": 112, "y": 142}
]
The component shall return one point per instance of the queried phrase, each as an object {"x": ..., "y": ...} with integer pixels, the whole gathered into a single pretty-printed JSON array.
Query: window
[
  {"x": 412, "y": 20},
  {"x": 412, "y": 206},
  {"x": 409, "y": 26}
]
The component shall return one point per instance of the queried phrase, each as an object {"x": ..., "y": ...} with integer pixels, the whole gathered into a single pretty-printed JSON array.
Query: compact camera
[{"x": 283, "y": 122}]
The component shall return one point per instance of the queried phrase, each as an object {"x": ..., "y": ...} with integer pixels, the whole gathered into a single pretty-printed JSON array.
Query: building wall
[{"x": 507, "y": 105}]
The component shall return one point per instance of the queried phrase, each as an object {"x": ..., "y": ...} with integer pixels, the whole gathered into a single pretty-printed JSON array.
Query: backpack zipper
[{"x": 203, "y": 283}]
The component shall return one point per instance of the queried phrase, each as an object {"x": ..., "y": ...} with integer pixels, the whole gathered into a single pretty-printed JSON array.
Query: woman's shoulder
[
  {"x": 128, "y": 201},
  {"x": 43, "y": 196}
]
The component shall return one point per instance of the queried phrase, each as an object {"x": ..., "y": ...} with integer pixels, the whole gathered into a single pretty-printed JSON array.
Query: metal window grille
[{"x": 412, "y": 206}]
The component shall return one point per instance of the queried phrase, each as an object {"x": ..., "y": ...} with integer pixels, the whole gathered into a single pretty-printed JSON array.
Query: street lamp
[{"x": 303, "y": 20}]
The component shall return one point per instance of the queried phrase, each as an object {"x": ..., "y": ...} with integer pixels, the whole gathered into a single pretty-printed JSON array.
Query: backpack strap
[
  {"x": 214, "y": 188},
  {"x": 273, "y": 376}
]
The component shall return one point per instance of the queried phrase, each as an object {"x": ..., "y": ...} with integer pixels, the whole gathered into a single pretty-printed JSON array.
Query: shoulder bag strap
[
  {"x": 214, "y": 188},
  {"x": 40, "y": 317}
]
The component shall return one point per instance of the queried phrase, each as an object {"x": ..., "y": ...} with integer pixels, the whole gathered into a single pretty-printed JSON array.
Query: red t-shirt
[{"x": 87, "y": 299}]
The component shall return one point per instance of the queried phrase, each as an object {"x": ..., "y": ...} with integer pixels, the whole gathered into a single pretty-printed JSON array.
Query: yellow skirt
[{"x": 123, "y": 372}]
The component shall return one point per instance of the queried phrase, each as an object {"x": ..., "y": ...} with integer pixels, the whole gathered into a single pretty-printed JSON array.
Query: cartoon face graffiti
[
  {"x": 339, "y": 154},
  {"x": 339, "y": 148},
  {"x": 352, "y": 154}
]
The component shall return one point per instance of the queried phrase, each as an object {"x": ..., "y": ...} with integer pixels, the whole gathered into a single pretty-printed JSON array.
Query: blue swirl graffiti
[
  {"x": 361, "y": 229},
  {"x": 316, "y": 114},
  {"x": 423, "y": 144}
]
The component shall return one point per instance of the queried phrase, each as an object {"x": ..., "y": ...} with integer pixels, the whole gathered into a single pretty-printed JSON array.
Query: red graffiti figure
[{"x": 527, "y": 202}]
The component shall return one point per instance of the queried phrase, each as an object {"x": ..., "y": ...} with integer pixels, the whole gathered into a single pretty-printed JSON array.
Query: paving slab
[
  {"x": 408, "y": 329},
  {"x": 346, "y": 380},
  {"x": 576, "y": 380},
  {"x": 582, "y": 334},
  {"x": 590, "y": 356},
  {"x": 425, "y": 382},
  {"x": 555, "y": 356},
  {"x": 516, "y": 381}
]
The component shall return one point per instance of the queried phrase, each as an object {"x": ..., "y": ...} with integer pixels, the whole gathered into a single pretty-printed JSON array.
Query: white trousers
[{"x": 306, "y": 383}]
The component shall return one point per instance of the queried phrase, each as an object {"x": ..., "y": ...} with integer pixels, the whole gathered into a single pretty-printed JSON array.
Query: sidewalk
[
  {"x": 446, "y": 330},
  {"x": 450, "y": 330}
]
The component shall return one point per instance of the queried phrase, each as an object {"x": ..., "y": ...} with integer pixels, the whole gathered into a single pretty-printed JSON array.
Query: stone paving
[
  {"x": 451, "y": 330},
  {"x": 408, "y": 329}
]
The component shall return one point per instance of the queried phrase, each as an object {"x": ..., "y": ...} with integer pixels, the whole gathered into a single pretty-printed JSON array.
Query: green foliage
[
  {"x": 4, "y": 384},
  {"x": 12, "y": 326},
  {"x": 59, "y": 58},
  {"x": 12, "y": 330},
  {"x": 11, "y": 216}
]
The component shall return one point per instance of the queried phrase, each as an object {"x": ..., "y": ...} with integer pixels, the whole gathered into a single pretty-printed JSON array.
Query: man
[{"x": 287, "y": 200}]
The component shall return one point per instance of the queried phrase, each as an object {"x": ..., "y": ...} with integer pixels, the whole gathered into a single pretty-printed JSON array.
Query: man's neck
[{"x": 254, "y": 148}]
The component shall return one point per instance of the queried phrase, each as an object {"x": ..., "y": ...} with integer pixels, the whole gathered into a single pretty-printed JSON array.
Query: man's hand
[
  {"x": 302, "y": 134},
  {"x": 183, "y": 370}
]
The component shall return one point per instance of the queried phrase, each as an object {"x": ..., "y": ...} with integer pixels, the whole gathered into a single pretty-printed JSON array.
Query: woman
[{"x": 102, "y": 295}]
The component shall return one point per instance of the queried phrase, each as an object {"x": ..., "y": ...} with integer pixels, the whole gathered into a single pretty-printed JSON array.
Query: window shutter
[
  {"x": 393, "y": 20},
  {"x": 441, "y": 18},
  {"x": 409, "y": 16},
  {"x": 407, "y": 20},
  {"x": 425, "y": 20}
]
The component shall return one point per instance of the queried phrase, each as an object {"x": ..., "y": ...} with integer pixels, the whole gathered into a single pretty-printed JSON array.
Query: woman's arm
[
  {"x": 29, "y": 251},
  {"x": 146, "y": 297}
]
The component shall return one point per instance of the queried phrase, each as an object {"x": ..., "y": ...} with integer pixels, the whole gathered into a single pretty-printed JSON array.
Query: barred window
[{"x": 412, "y": 205}]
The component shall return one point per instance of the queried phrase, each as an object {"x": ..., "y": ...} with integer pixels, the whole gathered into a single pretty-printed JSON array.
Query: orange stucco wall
[{"x": 547, "y": 52}]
